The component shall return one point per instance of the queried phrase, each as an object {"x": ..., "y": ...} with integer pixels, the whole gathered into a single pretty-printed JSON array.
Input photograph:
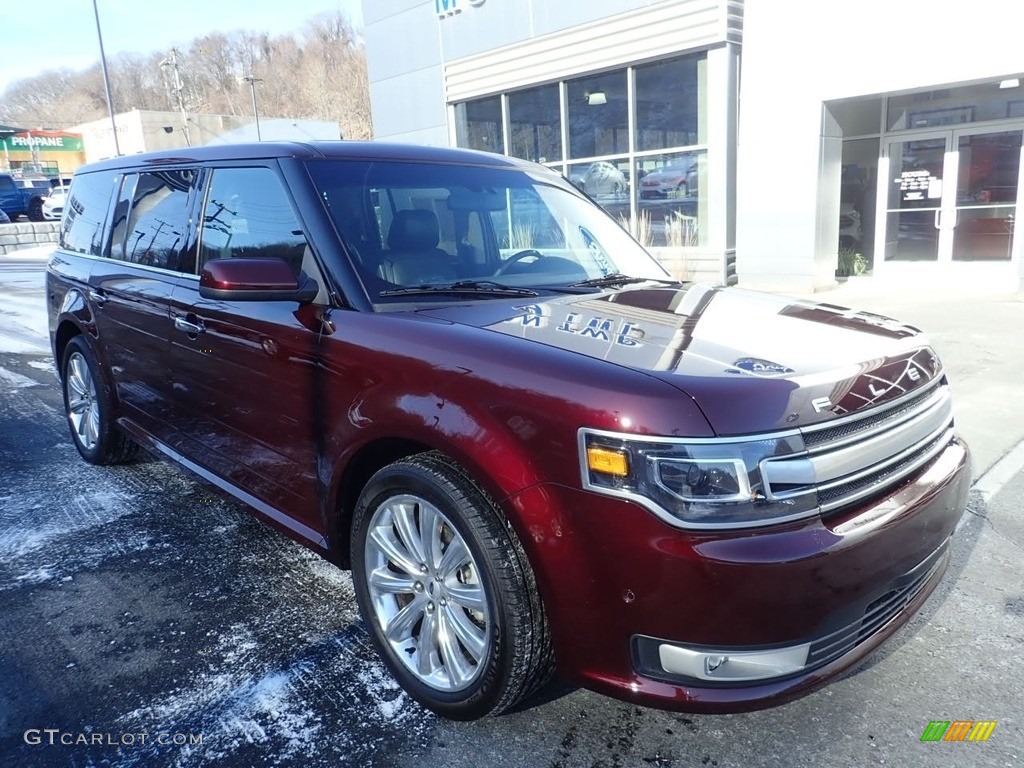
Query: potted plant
[{"x": 850, "y": 262}]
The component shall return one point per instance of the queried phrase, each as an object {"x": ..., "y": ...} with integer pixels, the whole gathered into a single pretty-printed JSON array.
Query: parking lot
[{"x": 146, "y": 620}]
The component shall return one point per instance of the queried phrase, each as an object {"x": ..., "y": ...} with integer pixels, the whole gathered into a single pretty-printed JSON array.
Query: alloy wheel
[
  {"x": 83, "y": 407},
  {"x": 427, "y": 594}
]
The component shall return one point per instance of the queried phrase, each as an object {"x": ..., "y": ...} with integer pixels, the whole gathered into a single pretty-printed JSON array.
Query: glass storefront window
[
  {"x": 857, "y": 197},
  {"x": 599, "y": 155},
  {"x": 670, "y": 102},
  {"x": 672, "y": 204},
  {"x": 478, "y": 125},
  {"x": 954, "y": 106},
  {"x": 535, "y": 124},
  {"x": 598, "y": 115},
  {"x": 607, "y": 181}
]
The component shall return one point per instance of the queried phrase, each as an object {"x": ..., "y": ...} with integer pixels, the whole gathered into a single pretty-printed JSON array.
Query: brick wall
[{"x": 14, "y": 237}]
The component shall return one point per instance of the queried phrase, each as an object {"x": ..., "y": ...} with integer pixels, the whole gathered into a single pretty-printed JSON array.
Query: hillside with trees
[{"x": 317, "y": 74}]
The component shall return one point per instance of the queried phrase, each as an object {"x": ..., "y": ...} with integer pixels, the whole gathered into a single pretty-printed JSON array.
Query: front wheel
[
  {"x": 35, "y": 210},
  {"x": 88, "y": 403},
  {"x": 446, "y": 591}
]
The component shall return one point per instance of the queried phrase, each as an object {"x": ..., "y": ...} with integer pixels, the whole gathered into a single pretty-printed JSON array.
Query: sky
[{"x": 64, "y": 34}]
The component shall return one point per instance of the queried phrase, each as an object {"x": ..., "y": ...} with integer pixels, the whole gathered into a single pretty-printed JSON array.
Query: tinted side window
[
  {"x": 247, "y": 215},
  {"x": 86, "y": 209},
  {"x": 6, "y": 182},
  {"x": 151, "y": 219}
]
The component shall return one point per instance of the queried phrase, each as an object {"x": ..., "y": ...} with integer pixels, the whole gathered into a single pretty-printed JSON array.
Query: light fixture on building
[
  {"x": 1012, "y": 82},
  {"x": 596, "y": 98}
]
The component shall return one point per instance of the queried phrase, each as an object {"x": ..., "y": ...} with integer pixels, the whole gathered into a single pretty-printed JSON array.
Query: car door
[
  {"x": 130, "y": 289},
  {"x": 244, "y": 372}
]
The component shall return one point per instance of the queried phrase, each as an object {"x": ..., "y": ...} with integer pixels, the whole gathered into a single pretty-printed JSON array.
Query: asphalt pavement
[{"x": 146, "y": 620}]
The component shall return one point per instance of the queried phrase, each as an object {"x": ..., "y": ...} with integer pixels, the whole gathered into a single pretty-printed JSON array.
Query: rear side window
[
  {"x": 6, "y": 182},
  {"x": 86, "y": 210},
  {"x": 150, "y": 224},
  {"x": 247, "y": 215}
]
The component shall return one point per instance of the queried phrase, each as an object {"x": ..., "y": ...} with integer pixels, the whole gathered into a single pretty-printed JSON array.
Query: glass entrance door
[
  {"x": 988, "y": 173},
  {"x": 913, "y": 219},
  {"x": 952, "y": 195}
]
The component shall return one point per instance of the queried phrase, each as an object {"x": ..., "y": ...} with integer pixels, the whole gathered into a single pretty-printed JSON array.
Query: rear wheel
[
  {"x": 446, "y": 591},
  {"x": 35, "y": 210},
  {"x": 88, "y": 403}
]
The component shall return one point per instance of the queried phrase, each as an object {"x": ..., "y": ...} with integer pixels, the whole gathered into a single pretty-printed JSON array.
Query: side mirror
[{"x": 267, "y": 279}]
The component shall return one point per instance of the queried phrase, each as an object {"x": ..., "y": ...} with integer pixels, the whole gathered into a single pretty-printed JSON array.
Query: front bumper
[{"x": 623, "y": 589}]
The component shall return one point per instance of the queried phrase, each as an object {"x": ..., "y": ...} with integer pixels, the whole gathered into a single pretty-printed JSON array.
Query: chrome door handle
[
  {"x": 190, "y": 328},
  {"x": 937, "y": 214},
  {"x": 98, "y": 297}
]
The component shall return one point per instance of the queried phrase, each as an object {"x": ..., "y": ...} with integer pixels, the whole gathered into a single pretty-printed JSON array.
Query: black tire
[
  {"x": 35, "y": 210},
  {"x": 88, "y": 406},
  {"x": 517, "y": 658}
]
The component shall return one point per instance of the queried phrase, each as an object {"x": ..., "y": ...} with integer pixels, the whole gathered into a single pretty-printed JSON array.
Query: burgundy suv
[{"x": 454, "y": 374}]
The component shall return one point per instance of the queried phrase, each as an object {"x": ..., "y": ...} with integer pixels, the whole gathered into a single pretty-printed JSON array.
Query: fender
[
  {"x": 74, "y": 316},
  {"x": 490, "y": 451}
]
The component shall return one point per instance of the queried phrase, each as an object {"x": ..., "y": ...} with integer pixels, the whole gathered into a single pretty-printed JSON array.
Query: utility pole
[
  {"x": 106, "y": 79},
  {"x": 252, "y": 86},
  {"x": 178, "y": 89}
]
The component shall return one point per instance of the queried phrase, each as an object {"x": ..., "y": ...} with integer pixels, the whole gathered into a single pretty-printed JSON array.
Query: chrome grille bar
[{"x": 867, "y": 454}]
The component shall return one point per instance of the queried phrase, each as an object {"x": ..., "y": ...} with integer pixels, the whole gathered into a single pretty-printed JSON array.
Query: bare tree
[{"x": 318, "y": 74}]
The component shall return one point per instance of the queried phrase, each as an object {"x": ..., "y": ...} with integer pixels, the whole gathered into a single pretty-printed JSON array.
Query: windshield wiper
[
  {"x": 486, "y": 287},
  {"x": 615, "y": 278}
]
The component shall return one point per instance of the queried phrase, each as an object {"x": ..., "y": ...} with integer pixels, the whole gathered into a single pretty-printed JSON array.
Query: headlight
[{"x": 713, "y": 483}]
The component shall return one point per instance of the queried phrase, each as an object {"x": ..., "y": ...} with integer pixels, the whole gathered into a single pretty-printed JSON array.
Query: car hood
[{"x": 753, "y": 362}]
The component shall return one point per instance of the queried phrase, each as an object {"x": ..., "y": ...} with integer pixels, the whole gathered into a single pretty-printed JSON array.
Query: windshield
[{"x": 431, "y": 225}]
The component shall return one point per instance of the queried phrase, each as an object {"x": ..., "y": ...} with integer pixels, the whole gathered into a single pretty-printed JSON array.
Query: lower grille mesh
[{"x": 875, "y": 616}]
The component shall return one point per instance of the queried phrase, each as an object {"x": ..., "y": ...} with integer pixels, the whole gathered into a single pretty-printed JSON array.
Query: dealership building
[{"x": 764, "y": 141}]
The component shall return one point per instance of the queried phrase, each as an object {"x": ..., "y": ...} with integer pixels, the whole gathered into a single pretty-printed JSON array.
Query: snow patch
[
  {"x": 385, "y": 693},
  {"x": 12, "y": 379},
  {"x": 37, "y": 575},
  {"x": 331, "y": 573},
  {"x": 42, "y": 365},
  {"x": 83, "y": 511},
  {"x": 18, "y": 346},
  {"x": 24, "y": 321},
  {"x": 233, "y": 710}
]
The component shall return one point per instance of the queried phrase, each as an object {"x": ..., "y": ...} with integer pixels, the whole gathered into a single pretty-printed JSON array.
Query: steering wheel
[{"x": 517, "y": 257}]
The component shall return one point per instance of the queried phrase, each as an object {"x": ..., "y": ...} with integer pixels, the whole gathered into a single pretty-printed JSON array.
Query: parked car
[
  {"x": 679, "y": 180},
  {"x": 600, "y": 178},
  {"x": 534, "y": 449},
  {"x": 18, "y": 199},
  {"x": 53, "y": 203}
]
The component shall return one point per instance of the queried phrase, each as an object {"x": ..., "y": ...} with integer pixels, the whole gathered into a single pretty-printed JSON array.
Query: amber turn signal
[{"x": 607, "y": 461}]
